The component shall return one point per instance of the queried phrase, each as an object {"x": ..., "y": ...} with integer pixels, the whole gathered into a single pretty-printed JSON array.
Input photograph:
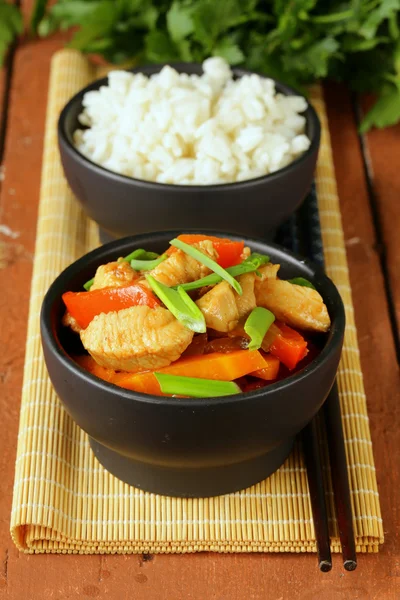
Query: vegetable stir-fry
[{"x": 207, "y": 318}]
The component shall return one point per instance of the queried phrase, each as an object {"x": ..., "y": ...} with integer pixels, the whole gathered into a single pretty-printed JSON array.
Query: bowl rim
[
  {"x": 50, "y": 339},
  {"x": 85, "y": 162}
]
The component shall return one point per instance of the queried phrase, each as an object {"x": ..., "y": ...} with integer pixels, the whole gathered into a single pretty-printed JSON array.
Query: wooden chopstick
[
  {"x": 340, "y": 478},
  {"x": 310, "y": 439}
]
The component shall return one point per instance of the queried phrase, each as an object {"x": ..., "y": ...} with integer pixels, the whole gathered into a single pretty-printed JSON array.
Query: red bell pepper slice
[
  {"x": 287, "y": 344},
  {"x": 84, "y": 306},
  {"x": 229, "y": 252}
]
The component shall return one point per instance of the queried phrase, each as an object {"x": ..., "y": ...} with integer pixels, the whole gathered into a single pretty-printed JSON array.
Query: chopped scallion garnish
[
  {"x": 88, "y": 284},
  {"x": 180, "y": 304},
  {"x": 207, "y": 262},
  {"x": 139, "y": 253},
  {"x": 301, "y": 281},
  {"x": 195, "y": 387},
  {"x": 148, "y": 255},
  {"x": 147, "y": 265},
  {"x": 257, "y": 325},
  {"x": 249, "y": 265}
]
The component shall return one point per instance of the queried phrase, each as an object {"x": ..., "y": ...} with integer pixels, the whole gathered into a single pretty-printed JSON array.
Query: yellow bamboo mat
[{"x": 64, "y": 501}]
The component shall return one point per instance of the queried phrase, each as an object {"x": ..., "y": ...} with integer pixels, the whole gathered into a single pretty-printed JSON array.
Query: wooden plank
[
  {"x": 3, "y": 76},
  {"x": 377, "y": 349},
  {"x": 199, "y": 576},
  {"x": 380, "y": 146},
  {"x": 18, "y": 207},
  {"x": 3, "y": 231}
]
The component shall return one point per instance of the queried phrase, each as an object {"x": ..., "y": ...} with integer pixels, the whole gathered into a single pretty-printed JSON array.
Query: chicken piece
[
  {"x": 136, "y": 339},
  {"x": 249, "y": 281},
  {"x": 247, "y": 301},
  {"x": 69, "y": 321},
  {"x": 182, "y": 268},
  {"x": 246, "y": 253},
  {"x": 296, "y": 305},
  {"x": 219, "y": 307},
  {"x": 113, "y": 274},
  {"x": 268, "y": 271}
]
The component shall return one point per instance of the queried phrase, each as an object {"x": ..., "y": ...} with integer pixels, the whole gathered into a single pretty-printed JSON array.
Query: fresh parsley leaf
[
  {"x": 394, "y": 26},
  {"x": 98, "y": 24},
  {"x": 146, "y": 18},
  {"x": 229, "y": 50},
  {"x": 38, "y": 13},
  {"x": 385, "y": 10},
  {"x": 297, "y": 42},
  {"x": 185, "y": 51},
  {"x": 75, "y": 12},
  {"x": 160, "y": 48},
  {"x": 352, "y": 43},
  {"x": 386, "y": 110},
  {"x": 179, "y": 21},
  {"x": 291, "y": 15},
  {"x": 259, "y": 59},
  {"x": 212, "y": 18},
  {"x": 313, "y": 61},
  {"x": 11, "y": 25}
]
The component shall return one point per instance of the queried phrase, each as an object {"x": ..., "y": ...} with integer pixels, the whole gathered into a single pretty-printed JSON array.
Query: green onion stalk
[
  {"x": 194, "y": 387},
  {"x": 180, "y": 304},
  {"x": 257, "y": 325},
  {"x": 249, "y": 265},
  {"x": 207, "y": 262}
]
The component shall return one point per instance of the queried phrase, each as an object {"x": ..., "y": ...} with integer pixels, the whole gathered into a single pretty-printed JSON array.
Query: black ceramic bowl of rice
[
  {"x": 187, "y": 446},
  {"x": 123, "y": 205}
]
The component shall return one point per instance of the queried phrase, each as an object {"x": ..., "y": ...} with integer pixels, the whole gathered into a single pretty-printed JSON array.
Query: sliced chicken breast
[
  {"x": 246, "y": 253},
  {"x": 219, "y": 307},
  {"x": 181, "y": 268},
  {"x": 113, "y": 274},
  {"x": 249, "y": 282},
  {"x": 268, "y": 271},
  {"x": 69, "y": 321},
  {"x": 136, "y": 339},
  {"x": 247, "y": 301},
  {"x": 296, "y": 305}
]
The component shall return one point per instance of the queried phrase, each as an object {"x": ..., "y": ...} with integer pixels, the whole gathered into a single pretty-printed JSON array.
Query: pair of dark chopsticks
[
  {"x": 302, "y": 234},
  {"x": 330, "y": 414}
]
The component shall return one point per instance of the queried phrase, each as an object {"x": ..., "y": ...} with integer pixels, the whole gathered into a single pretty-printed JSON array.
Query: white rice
[{"x": 189, "y": 129}]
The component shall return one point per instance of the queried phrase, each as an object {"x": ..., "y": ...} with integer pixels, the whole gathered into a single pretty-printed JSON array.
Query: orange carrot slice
[
  {"x": 218, "y": 366},
  {"x": 270, "y": 371}
]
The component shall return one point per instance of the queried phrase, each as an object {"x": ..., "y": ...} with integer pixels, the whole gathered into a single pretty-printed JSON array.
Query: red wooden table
[{"x": 368, "y": 173}]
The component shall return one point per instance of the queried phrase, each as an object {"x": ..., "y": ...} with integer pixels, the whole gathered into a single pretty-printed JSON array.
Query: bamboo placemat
[{"x": 64, "y": 501}]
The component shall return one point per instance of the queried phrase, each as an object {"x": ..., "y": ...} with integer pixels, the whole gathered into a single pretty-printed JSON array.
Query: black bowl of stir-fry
[{"x": 192, "y": 360}]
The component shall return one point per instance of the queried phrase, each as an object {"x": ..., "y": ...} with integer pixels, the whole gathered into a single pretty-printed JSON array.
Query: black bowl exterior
[
  {"x": 189, "y": 447},
  {"x": 123, "y": 205}
]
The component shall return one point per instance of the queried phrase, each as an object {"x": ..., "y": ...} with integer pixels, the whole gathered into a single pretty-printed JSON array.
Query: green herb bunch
[
  {"x": 296, "y": 41},
  {"x": 11, "y": 25}
]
